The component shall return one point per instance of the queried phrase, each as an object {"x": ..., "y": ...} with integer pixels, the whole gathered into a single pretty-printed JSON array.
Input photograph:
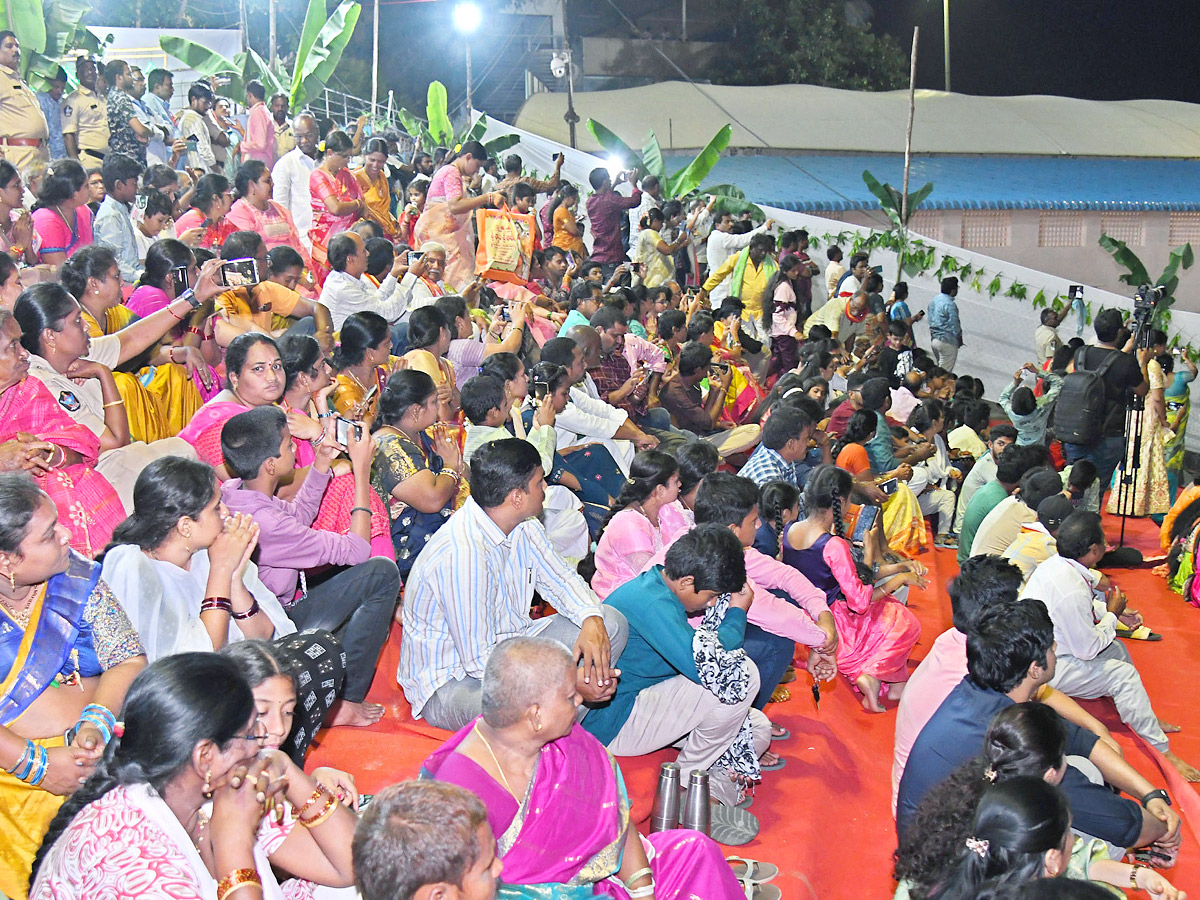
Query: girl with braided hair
[
  {"x": 778, "y": 508},
  {"x": 877, "y": 632}
]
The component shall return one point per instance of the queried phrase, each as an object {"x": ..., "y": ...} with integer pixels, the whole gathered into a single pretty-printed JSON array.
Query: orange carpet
[{"x": 826, "y": 817}]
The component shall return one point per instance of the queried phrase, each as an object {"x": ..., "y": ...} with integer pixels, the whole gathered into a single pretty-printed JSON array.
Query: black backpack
[{"x": 1082, "y": 404}]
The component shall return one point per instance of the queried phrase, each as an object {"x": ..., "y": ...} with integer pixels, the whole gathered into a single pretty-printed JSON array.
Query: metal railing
[{"x": 344, "y": 109}]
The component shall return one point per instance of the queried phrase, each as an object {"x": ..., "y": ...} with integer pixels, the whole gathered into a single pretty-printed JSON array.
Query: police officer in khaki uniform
[
  {"x": 23, "y": 132},
  {"x": 85, "y": 117}
]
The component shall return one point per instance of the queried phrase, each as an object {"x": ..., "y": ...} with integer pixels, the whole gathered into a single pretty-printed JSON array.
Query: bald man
[{"x": 291, "y": 175}]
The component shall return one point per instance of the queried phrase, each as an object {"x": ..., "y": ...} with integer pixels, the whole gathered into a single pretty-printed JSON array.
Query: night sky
[{"x": 1102, "y": 50}]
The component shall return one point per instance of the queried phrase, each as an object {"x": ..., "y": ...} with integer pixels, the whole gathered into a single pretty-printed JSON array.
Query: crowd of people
[{"x": 257, "y": 408}]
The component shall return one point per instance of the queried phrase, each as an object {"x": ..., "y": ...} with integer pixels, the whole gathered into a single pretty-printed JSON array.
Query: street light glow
[{"x": 467, "y": 17}]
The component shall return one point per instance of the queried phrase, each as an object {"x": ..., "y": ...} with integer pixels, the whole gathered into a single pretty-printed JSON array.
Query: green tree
[{"x": 807, "y": 42}]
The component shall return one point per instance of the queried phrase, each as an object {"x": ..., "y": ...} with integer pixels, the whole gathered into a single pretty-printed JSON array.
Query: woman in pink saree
[
  {"x": 447, "y": 215},
  {"x": 557, "y": 804},
  {"x": 40, "y": 437},
  {"x": 256, "y": 378},
  {"x": 875, "y": 632},
  {"x": 337, "y": 200}
]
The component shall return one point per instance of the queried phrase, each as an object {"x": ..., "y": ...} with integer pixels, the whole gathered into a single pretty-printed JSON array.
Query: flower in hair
[
  {"x": 321, "y": 146},
  {"x": 989, "y": 774},
  {"x": 976, "y": 845}
]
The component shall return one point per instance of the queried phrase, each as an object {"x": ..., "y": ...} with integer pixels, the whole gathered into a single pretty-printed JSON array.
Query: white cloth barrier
[{"x": 997, "y": 331}]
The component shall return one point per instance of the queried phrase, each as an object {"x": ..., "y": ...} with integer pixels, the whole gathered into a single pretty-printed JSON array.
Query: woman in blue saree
[{"x": 67, "y": 656}]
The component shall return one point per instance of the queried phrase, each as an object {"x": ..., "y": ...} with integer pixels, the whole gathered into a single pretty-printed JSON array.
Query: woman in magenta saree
[
  {"x": 568, "y": 837},
  {"x": 256, "y": 378},
  {"x": 61, "y": 451}
]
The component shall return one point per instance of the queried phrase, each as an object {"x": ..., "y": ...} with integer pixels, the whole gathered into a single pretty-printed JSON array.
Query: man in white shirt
[
  {"x": 193, "y": 128},
  {"x": 1091, "y": 663},
  {"x": 346, "y": 292},
  {"x": 722, "y": 244},
  {"x": 425, "y": 284},
  {"x": 292, "y": 172},
  {"x": 472, "y": 586},
  {"x": 1002, "y": 525},
  {"x": 587, "y": 418}
]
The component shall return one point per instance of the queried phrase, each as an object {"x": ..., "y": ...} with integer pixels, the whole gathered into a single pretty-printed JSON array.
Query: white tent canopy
[{"x": 790, "y": 117}]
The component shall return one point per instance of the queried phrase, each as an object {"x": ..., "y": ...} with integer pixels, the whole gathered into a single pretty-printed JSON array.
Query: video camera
[{"x": 1145, "y": 301}]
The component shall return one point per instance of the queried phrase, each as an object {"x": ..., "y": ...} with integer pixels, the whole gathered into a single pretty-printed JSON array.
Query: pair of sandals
[{"x": 753, "y": 876}]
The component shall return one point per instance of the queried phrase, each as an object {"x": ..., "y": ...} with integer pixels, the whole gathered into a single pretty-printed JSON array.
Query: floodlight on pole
[{"x": 467, "y": 18}]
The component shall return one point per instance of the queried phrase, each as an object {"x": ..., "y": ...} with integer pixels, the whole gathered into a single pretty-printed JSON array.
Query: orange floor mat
[{"x": 826, "y": 817}]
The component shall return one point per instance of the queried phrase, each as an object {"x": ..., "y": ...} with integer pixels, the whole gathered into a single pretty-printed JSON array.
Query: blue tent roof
[{"x": 834, "y": 183}]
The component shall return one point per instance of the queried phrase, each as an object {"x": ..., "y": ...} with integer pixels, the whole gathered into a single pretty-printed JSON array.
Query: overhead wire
[{"x": 639, "y": 32}]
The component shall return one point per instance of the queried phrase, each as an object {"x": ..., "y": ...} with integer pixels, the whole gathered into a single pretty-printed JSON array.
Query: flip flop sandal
[
  {"x": 731, "y": 826},
  {"x": 773, "y": 767},
  {"x": 745, "y": 802},
  {"x": 789, "y": 675},
  {"x": 780, "y": 695},
  {"x": 756, "y": 891},
  {"x": 779, "y": 737},
  {"x": 751, "y": 871},
  {"x": 1141, "y": 633}
]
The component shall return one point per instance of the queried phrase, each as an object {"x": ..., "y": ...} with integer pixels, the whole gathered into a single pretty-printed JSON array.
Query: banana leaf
[
  {"x": 688, "y": 179},
  {"x": 496, "y": 146},
  {"x": 888, "y": 196},
  {"x": 326, "y": 53},
  {"x": 257, "y": 67},
  {"x": 26, "y": 19},
  {"x": 1180, "y": 257},
  {"x": 415, "y": 127},
  {"x": 205, "y": 61},
  {"x": 916, "y": 198},
  {"x": 614, "y": 145},
  {"x": 652, "y": 158},
  {"x": 475, "y": 132},
  {"x": 436, "y": 108},
  {"x": 1137, "y": 274},
  {"x": 732, "y": 200},
  {"x": 314, "y": 20}
]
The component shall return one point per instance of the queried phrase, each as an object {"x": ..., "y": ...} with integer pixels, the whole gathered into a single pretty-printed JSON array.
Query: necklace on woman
[
  {"x": 25, "y": 613},
  {"x": 492, "y": 754}
]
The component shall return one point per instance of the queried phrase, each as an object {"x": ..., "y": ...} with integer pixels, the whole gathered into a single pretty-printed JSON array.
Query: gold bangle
[
  {"x": 325, "y": 813},
  {"x": 316, "y": 795},
  {"x": 238, "y": 878},
  {"x": 114, "y": 403}
]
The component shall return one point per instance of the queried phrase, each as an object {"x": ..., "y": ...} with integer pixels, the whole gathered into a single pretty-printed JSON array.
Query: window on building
[
  {"x": 1185, "y": 228},
  {"x": 986, "y": 228},
  {"x": 1057, "y": 228},
  {"x": 927, "y": 223},
  {"x": 1129, "y": 227}
]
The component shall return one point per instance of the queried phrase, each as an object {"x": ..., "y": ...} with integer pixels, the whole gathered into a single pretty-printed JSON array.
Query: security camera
[{"x": 558, "y": 65}]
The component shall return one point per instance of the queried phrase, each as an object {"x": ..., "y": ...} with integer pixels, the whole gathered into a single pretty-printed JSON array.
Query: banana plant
[
  {"x": 1137, "y": 274},
  {"x": 892, "y": 202},
  {"x": 48, "y": 32},
  {"x": 436, "y": 129},
  {"x": 322, "y": 41},
  {"x": 688, "y": 179}
]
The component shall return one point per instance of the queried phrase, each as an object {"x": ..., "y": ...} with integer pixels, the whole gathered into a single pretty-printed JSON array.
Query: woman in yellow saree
[
  {"x": 160, "y": 395},
  {"x": 376, "y": 192},
  {"x": 67, "y": 656}
]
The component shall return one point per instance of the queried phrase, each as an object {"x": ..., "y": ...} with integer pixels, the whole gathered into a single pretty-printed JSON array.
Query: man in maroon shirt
[
  {"x": 605, "y": 209},
  {"x": 839, "y": 418}
]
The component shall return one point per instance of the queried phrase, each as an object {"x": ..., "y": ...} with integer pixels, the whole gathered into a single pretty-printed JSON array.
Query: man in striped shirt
[{"x": 472, "y": 586}]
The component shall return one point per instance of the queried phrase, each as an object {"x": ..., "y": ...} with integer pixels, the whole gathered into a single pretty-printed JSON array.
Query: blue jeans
[
  {"x": 399, "y": 338},
  {"x": 1106, "y": 453},
  {"x": 772, "y": 654}
]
